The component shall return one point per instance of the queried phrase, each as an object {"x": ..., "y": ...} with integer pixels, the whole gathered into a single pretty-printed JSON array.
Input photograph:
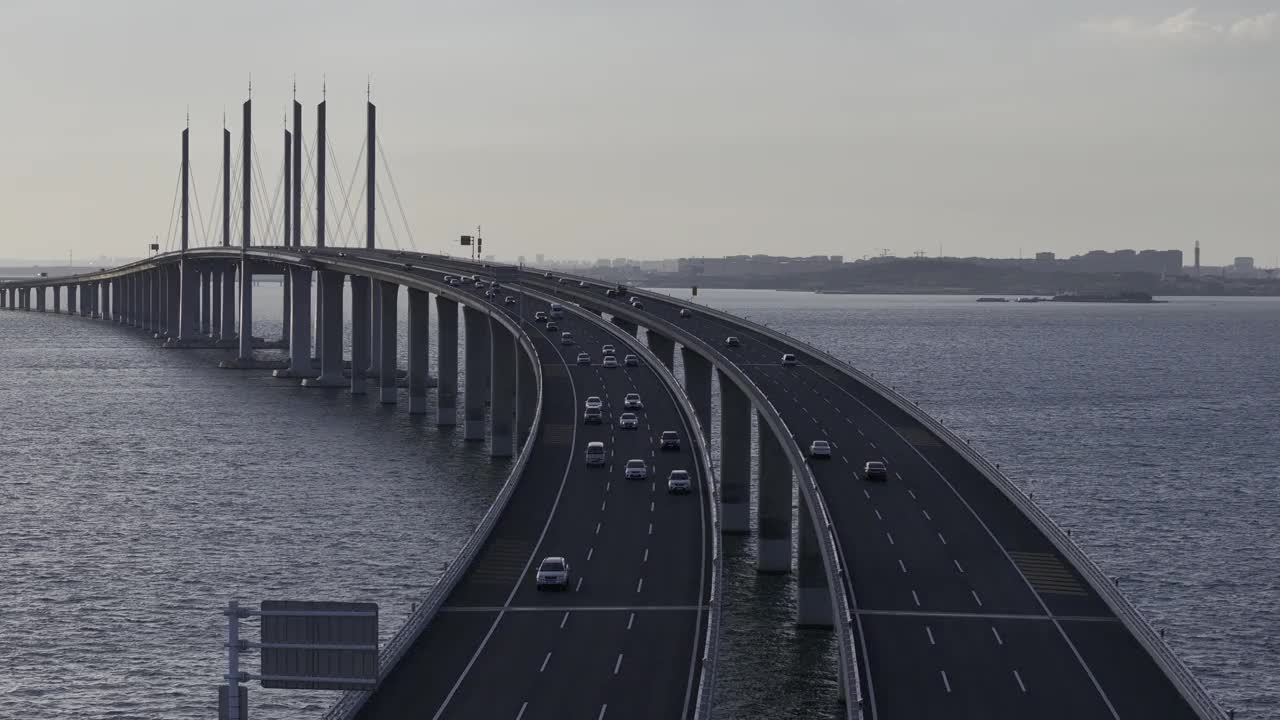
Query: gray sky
[{"x": 596, "y": 128}]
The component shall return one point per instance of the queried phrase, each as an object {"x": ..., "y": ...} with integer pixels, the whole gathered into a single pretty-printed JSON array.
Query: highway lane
[
  {"x": 966, "y": 609},
  {"x": 640, "y": 558}
]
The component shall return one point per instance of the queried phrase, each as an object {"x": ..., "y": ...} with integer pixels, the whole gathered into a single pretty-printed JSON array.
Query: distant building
[
  {"x": 1149, "y": 261},
  {"x": 539, "y": 258},
  {"x": 520, "y": 260},
  {"x": 1045, "y": 257},
  {"x": 738, "y": 265},
  {"x": 1243, "y": 264}
]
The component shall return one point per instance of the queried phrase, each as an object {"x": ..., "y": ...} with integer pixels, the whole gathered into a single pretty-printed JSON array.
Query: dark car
[{"x": 669, "y": 440}]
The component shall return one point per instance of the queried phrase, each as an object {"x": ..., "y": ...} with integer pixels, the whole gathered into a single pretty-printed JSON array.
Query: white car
[
  {"x": 731, "y": 341},
  {"x": 628, "y": 421},
  {"x": 609, "y": 361},
  {"x": 684, "y": 313},
  {"x": 632, "y": 402},
  {"x": 606, "y": 350},
  {"x": 820, "y": 449},
  {"x": 594, "y": 402},
  {"x": 553, "y": 573},
  {"x": 566, "y": 338},
  {"x": 638, "y": 305},
  {"x": 875, "y": 470},
  {"x": 584, "y": 359},
  {"x": 636, "y": 470},
  {"x": 631, "y": 361},
  {"x": 592, "y": 416},
  {"x": 788, "y": 359},
  {"x": 678, "y": 482},
  {"x": 595, "y": 453}
]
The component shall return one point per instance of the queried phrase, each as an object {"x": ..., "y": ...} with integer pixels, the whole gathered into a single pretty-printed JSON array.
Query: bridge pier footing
[
  {"x": 477, "y": 371},
  {"x": 774, "y": 506},
  {"x": 330, "y": 299},
  {"x": 361, "y": 314},
  {"x": 419, "y": 349},
  {"x": 813, "y": 594},
  {"x": 503, "y": 380},
  {"x": 388, "y": 296},
  {"x": 735, "y": 458},
  {"x": 447, "y": 362}
]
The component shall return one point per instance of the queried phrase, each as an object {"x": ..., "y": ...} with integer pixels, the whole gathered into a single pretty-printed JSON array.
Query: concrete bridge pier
[
  {"x": 697, "y": 385},
  {"x": 663, "y": 347},
  {"x": 361, "y": 315},
  {"x": 503, "y": 364},
  {"x": 526, "y": 398},
  {"x": 57, "y": 299},
  {"x": 447, "y": 362},
  {"x": 419, "y": 349},
  {"x": 477, "y": 371},
  {"x": 245, "y": 351},
  {"x": 774, "y": 506},
  {"x": 162, "y": 302},
  {"x": 288, "y": 307},
  {"x": 813, "y": 594},
  {"x": 375, "y": 330},
  {"x": 299, "y": 313},
  {"x": 188, "y": 301},
  {"x": 213, "y": 298},
  {"x": 40, "y": 293},
  {"x": 388, "y": 294},
  {"x": 626, "y": 325},
  {"x": 71, "y": 299},
  {"x": 175, "y": 305},
  {"x": 330, "y": 300},
  {"x": 227, "y": 329},
  {"x": 206, "y": 300},
  {"x": 735, "y": 458},
  {"x": 102, "y": 301}
]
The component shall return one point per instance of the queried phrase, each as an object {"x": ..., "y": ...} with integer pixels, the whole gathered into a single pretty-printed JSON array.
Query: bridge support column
[
  {"x": 288, "y": 307},
  {"x": 330, "y": 300},
  {"x": 165, "y": 313},
  {"x": 419, "y": 349},
  {"x": 663, "y": 347},
  {"x": 57, "y": 300},
  {"x": 227, "y": 330},
  {"x": 625, "y": 325},
  {"x": 813, "y": 597},
  {"x": 360, "y": 317},
  {"x": 40, "y": 292},
  {"x": 299, "y": 307},
  {"x": 375, "y": 329},
  {"x": 104, "y": 300},
  {"x": 735, "y": 458},
  {"x": 188, "y": 301},
  {"x": 477, "y": 329},
  {"x": 502, "y": 390},
  {"x": 447, "y": 362},
  {"x": 388, "y": 297},
  {"x": 213, "y": 298},
  {"x": 245, "y": 351},
  {"x": 206, "y": 301},
  {"x": 774, "y": 507},
  {"x": 526, "y": 397},
  {"x": 697, "y": 385}
]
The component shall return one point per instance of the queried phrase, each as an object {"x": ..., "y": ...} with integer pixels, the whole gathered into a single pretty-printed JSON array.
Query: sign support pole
[{"x": 233, "y": 660}]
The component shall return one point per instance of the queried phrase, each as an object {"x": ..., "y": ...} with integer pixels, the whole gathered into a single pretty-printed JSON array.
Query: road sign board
[
  {"x": 319, "y": 645},
  {"x": 224, "y": 710}
]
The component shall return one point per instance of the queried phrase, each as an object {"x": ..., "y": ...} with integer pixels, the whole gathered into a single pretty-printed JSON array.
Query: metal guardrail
[
  {"x": 711, "y": 641},
  {"x": 844, "y": 617},
  {"x": 1188, "y": 685}
]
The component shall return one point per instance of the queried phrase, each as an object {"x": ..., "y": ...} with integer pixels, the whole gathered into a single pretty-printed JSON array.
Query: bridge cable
[
  {"x": 217, "y": 195},
  {"x": 308, "y": 214},
  {"x": 195, "y": 194},
  {"x": 346, "y": 197},
  {"x": 267, "y": 228},
  {"x": 396, "y": 191},
  {"x": 173, "y": 207},
  {"x": 382, "y": 200}
]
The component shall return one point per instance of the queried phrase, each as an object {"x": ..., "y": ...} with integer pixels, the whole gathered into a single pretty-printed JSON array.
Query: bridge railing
[
  {"x": 351, "y": 702},
  {"x": 1188, "y": 685},
  {"x": 844, "y": 618}
]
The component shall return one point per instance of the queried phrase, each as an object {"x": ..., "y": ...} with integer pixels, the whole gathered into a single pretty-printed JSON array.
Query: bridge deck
[{"x": 629, "y": 638}]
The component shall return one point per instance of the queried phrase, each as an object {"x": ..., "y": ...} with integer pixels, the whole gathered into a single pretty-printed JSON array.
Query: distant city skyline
[{"x": 594, "y": 129}]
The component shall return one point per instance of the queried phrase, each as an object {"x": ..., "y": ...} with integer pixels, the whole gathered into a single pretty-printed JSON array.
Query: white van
[
  {"x": 557, "y": 310},
  {"x": 595, "y": 453}
]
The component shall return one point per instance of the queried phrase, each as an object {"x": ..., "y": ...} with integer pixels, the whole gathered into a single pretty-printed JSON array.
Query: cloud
[{"x": 1189, "y": 27}]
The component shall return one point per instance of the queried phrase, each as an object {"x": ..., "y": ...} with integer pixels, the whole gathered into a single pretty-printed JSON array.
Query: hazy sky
[{"x": 658, "y": 128}]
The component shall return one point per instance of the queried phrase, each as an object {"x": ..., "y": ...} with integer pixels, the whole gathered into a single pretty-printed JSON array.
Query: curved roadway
[{"x": 625, "y": 641}]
